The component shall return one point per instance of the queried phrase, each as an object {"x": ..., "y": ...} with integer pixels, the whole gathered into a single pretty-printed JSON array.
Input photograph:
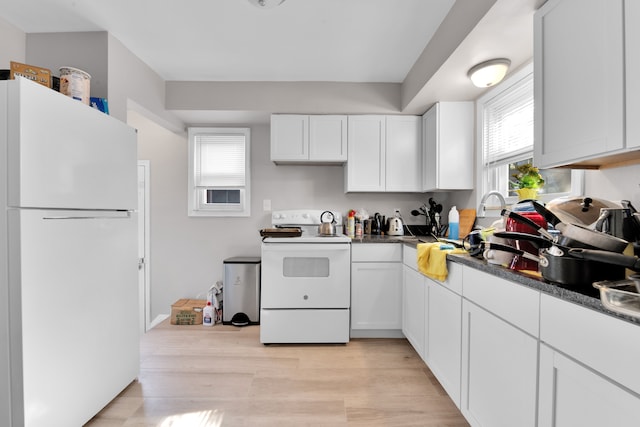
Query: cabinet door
[
  {"x": 430, "y": 150},
  {"x": 289, "y": 137},
  {"x": 579, "y": 86},
  {"x": 403, "y": 170},
  {"x": 448, "y": 147},
  {"x": 413, "y": 308},
  {"x": 376, "y": 295},
  {"x": 632, "y": 61},
  {"x": 499, "y": 371},
  {"x": 443, "y": 349},
  {"x": 328, "y": 138},
  {"x": 366, "y": 153},
  {"x": 573, "y": 395}
]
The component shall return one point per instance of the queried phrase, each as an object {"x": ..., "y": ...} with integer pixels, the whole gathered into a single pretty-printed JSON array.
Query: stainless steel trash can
[{"x": 241, "y": 291}]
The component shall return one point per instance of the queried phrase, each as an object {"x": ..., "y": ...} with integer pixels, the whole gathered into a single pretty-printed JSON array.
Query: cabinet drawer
[
  {"x": 382, "y": 252},
  {"x": 606, "y": 344},
  {"x": 410, "y": 256},
  {"x": 512, "y": 302},
  {"x": 454, "y": 278}
]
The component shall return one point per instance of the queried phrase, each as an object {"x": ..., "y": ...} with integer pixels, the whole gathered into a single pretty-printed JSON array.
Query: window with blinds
[
  {"x": 506, "y": 117},
  {"x": 219, "y": 172}
]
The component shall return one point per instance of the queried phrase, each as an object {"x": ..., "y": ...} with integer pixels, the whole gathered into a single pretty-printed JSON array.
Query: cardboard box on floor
[{"x": 187, "y": 311}]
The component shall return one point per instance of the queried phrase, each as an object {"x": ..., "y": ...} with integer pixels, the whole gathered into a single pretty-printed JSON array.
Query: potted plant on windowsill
[{"x": 528, "y": 181}]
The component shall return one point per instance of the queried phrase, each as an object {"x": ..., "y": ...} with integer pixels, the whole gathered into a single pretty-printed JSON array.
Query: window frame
[
  {"x": 195, "y": 206},
  {"x": 577, "y": 176}
]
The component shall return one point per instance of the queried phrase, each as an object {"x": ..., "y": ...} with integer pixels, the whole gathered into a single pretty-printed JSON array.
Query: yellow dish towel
[{"x": 432, "y": 261}]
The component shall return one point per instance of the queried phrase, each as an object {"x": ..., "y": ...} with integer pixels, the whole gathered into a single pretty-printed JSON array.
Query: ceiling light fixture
[
  {"x": 489, "y": 73},
  {"x": 266, "y": 4}
]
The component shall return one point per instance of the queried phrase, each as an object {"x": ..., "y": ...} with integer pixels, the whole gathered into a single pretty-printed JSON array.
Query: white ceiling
[
  {"x": 222, "y": 40},
  {"x": 300, "y": 40}
]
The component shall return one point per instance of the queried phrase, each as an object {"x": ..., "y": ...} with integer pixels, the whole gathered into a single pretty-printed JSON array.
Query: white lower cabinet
[
  {"x": 376, "y": 289},
  {"x": 573, "y": 395},
  {"x": 443, "y": 332},
  {"x": 499, "y": 371},
  {"x": 589, "y": 372},
  {"x": 431, "y": 320},
  {"x": 413, "y": 308},
  {"x": 510, "y": 355}
]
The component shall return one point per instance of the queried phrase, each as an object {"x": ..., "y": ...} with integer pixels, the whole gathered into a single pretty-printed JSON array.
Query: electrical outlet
[{"x": 266, "y": 205}]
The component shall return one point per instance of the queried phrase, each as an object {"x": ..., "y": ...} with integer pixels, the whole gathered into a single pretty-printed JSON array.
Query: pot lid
[{"x": 579, "y": 210}]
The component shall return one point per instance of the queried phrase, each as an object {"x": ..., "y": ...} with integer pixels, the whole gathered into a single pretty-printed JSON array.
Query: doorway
[{"x": 144, "y": 270}]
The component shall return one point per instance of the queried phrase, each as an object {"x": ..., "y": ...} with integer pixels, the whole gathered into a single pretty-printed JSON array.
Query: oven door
[{"x": 305, "y": 275}]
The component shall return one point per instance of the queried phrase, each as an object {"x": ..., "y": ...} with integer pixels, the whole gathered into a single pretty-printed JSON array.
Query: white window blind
[
  {"x": 221, "y": 160},
  {"x": 508, "y": 124},
  {"x": 219, "y": 172}
]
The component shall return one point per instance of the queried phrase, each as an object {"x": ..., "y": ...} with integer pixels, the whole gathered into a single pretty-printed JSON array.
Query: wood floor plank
[{"x": 199, "y": 376}]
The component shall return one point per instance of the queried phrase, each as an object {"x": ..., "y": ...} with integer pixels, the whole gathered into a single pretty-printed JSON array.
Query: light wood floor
[{"x": 199, "y": 376}]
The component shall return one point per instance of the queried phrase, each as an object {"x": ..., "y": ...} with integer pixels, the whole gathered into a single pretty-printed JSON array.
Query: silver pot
[{"x": 327, "y": 228}]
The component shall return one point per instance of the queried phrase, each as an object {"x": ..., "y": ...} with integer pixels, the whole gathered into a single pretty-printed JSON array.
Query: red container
[{"x": 520, "y": 263}]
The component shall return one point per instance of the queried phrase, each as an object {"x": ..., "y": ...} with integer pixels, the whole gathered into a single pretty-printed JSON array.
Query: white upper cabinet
[
  {"x": 366, "y": 158},
  {"x": 328, "y": 138},
  {"x": 314, "y": 139},
  {"x": 384, "y": 153},
  {"x": 447, "y": 155},
  {"x": 403, "y": 154},
  {"x": 632, "y": 56},
  {"x": 579, "y": 72}
]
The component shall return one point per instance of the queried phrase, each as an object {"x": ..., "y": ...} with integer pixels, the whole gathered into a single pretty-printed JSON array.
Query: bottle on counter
[
  {"x": 351, "y": 224},
  {"x": 358, "y": 231},
  {"x": 208, "y": 316},
  {"x": 454, "y": 223}
]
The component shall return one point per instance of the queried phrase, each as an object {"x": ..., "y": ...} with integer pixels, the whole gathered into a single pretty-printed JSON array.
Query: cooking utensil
[
  {"x": 327, "y": 228},
  {"x": 575, "y": 232},
  {"x": 467, "y": 220},
  {"x": 606, "y": 257},
  {"x": 557, "y": 265},
  {"x": 614, "y": 222},
  {"x": 579, "y": 210}
]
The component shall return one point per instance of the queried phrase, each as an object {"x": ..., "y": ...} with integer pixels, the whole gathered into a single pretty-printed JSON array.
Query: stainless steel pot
[
  {"x": 327, "y": 228},
  {"x": 579, "y": 210}
]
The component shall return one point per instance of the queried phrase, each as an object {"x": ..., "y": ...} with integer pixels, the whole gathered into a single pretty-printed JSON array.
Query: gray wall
[
  {"x": 13, "y": 46},
  {"x": 187, "y": 253},
  {"x": 86, "y": 51}
]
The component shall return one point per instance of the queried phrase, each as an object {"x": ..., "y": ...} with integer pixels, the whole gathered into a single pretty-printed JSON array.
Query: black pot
[
  {"x": 557, "y": 265},
  {"x": 568, "y": 270}
]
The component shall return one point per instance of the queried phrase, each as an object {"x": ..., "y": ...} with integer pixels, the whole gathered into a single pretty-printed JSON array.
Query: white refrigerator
[{"x": 69, "y": 333}]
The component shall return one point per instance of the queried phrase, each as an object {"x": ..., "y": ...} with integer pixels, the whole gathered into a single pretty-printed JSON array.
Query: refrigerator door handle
[{"x": 121, "y": 215}]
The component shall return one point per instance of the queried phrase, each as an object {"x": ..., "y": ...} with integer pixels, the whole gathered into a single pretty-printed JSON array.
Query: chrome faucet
[{"x": 482, "y": 207}]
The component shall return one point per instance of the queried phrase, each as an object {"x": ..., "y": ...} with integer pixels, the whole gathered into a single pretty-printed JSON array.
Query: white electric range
[{"x": 306, "y": 282}]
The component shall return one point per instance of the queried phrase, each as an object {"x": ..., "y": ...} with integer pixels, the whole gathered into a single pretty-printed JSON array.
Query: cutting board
[{"x": 467, "y": 219}]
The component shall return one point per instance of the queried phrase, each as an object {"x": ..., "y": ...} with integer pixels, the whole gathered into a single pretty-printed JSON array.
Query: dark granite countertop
[
  {"x": 586, "y": 296},
  {"x": 412, "y": 240}
]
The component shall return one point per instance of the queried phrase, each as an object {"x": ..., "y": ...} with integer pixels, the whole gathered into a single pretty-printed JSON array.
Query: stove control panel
[{"x": 303, "y": 217}]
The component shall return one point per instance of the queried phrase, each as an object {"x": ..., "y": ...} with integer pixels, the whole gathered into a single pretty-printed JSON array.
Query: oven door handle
[{"x": 299, "y": 248}]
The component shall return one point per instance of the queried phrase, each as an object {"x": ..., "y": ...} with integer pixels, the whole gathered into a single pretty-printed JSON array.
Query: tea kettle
[
  {"x": 395, "y": 226},
  {"x": 327, "y": 228}
]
